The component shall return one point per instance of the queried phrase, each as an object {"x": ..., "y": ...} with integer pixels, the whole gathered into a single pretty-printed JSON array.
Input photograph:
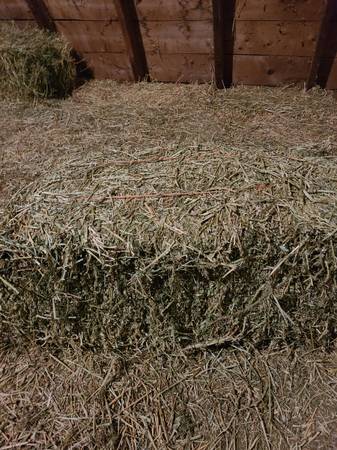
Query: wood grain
[
  {"x": 178, "y": 36},
  {"x": 14, "y": 9},
  {"x": 249, "y": 70},
  {"x": 279, "y": 9},
  {"x": 245, "y": 9},
  {"x": 251, "y": 37},
  {"x": 269, "y": 70},
  {"x": 82, "y": 9},
  {"x": 275, "y": 38},
  {"x": 181, "y": 67},
  {"x": 109, "y": 66},
  {"x": 93, "y": 36},
  {"x": 174, "y": 10}
]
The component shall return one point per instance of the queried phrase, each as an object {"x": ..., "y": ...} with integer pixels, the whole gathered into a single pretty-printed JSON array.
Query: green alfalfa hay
[
  {"x": 196, "y": 247},
  {"x": 34, "y": 63}
]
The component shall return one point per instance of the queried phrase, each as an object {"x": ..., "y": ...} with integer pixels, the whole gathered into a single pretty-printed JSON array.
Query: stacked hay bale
[
  {"x": 34, "y": 63},
  {"x": 202, "y": 247}
]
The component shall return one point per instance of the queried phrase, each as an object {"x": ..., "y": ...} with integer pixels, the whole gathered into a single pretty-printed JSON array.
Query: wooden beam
[
  {"x": 128, "y": 18},
  {"x": 41, "y": 14},
  {"x": 321, "y": 43},
  {"x": 223, "y": 16}
]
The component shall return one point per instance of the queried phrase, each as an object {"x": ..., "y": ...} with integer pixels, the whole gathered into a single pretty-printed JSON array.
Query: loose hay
[
  {"x": 275, "y": 400},
  {"x": 195, "y": 245},
  {"x": 34, "y": 63},
  {"x": 105, "y": 117}
]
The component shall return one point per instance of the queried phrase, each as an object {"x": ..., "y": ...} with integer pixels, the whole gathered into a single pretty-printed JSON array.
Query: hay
[
  {"x": 195, "y": 245},
  {"x": 148, "y": 228},
  {"x": 105, "y": 118},
  {"x": 34, "y": 63},
  {"x": 70, "y": 399},
  {"x": 277, "y": 150}
]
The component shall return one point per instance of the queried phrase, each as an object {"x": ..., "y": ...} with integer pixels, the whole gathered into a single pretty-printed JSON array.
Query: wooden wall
[{"x": 270, "y": 42}]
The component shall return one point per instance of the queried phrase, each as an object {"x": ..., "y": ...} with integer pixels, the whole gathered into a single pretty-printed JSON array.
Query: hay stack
[
  {"x": 34, "y": 63},
  {"x": 194, "y": 246}
]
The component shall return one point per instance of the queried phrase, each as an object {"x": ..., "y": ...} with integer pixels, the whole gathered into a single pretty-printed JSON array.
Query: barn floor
[{"x": 228, "y": 399}]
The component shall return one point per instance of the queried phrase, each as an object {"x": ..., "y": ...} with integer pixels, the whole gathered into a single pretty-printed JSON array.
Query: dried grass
[
  {"x": 159, "y": 223},
  {"x": 198, "y": 245},
  {"x": 34, "y": 63},
  {"x": 195, "y": 243},
  {"x": 226, "y": 400}
]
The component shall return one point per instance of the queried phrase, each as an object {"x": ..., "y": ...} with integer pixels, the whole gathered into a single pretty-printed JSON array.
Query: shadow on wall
[
  {"x": 223, "y": 16},
  {"x": 326, "y": 63},
  {"x": 83, "y": 71}
]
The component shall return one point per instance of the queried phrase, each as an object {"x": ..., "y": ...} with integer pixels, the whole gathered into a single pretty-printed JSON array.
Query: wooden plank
[
  {"x": 15, "y": 10},
  {"x": 174, "y": 10},
  {"x": 249, "y": 69},
  {"x": 223, "y": 21},
  {"x": 279, "y": 9},
  {"x": 322, "y": 42},
  {"x": 113, "y": 66},
  {"x": 178, "y": 37},
  {"x": 41, "y": 14},
  {"x": 245, "y": 9},
  {"x": 181, "y": 67},
  {"x": 275, "y": 38},
  {"x": 251, "y": 38},
  {"x": 127, "y": 14},
  {"x": 269, "y": 70},
  {"x": 82, "y": 9},
  {"x": 93, "y": 36}
]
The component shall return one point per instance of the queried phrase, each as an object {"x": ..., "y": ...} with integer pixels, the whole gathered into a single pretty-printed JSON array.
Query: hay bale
[
  {"x": 34, "y": 63},
  {"x": 196, "y": 246}
]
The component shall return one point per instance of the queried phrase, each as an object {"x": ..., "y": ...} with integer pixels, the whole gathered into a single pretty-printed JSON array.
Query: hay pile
[
  {"x": 198, "y": 246},
  {"x": 34, "y": 63}
]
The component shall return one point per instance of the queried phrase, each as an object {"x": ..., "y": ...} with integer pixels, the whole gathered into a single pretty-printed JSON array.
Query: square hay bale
[
  {"x": 202, "y": 246},
  {"x": 34, "y": 63}
]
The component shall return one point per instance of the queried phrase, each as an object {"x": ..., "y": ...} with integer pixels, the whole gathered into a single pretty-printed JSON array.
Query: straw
[{"x": 34, "y": 63}]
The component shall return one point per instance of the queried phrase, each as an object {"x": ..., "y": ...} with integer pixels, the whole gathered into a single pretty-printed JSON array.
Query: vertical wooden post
[
  {"x": 322, "y": 41},
  {"x": 223, "y": 20},
  {"x": 41, "y": 14},
  {"x": 128, "y": 18}
]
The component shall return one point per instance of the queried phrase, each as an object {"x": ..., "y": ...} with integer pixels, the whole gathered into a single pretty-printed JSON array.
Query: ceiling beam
[{"x": 128, "y": 19}]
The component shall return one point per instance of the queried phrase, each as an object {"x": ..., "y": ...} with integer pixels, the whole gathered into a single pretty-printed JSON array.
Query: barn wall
[
  {"x": 270, "y": 43},
  {"x": 178, "y": 39}
]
